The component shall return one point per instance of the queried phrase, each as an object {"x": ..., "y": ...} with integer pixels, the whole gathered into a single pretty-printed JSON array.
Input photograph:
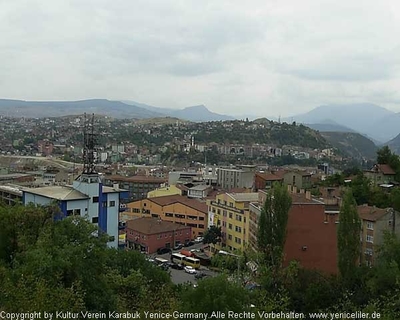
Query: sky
[{"x": 264, "y": 58}]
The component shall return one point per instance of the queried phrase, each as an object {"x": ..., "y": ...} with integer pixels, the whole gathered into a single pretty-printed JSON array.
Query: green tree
[
  {"x": 212, "y": 235},
  {"x": 272, "y": 224},
  {"x": 385, "y": 156},
  {"x": 348, "y": 238},
  {"x": 215, "y": 294}
]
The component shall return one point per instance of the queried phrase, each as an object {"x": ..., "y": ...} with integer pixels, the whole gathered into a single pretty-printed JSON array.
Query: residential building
[
  {"x": 311, "y": 232},
  {"x": 184, "y": 177},
  {"x": 236, "y": 177},
  {"x": 298, "y": 179},
  {"x": 265, "y": 180},
  {"x": 137, "y": 186},
  {"x": 231, "y": 213},
  {"x": 374, "y": 223},
  {"x": 200, "y": 191},
  {"x": 167, "y": 190},
  {"x": 87, "y": 197},
  {"x": 380, "y": 174},
  {"x": 149, "y": 234},
  {"x": 174, "y": 208}
]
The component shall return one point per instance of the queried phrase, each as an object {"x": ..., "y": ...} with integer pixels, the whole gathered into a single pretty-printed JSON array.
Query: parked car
[
  {"x": 198, "y": 240},
  {"x": 190, "y": 270},
  {"x": 175, "y": 266},
  {"x": 178, "y": 246},
  {"x": 164, "y": 266},
  {"x": 200, "y": 275},
  {"x": 188, "y": 244},
  {"x": 163, "y": 250}
]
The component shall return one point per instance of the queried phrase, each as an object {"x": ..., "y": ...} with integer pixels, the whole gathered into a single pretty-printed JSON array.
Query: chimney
[{"x": 308, "y": 195}]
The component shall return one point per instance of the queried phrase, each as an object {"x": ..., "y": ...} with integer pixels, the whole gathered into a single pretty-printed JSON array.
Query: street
[{"x": 180, "y": 276}]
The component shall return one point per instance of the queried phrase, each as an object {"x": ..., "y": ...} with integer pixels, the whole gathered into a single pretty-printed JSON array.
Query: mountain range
[
  {"x": 116, "y": 109},
  {"x": 373, "y": 121}
]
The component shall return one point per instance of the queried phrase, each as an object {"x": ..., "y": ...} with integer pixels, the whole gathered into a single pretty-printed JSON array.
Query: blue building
[{"x": 87, "y": 197}]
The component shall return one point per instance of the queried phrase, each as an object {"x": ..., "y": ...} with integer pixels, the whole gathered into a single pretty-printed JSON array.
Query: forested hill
[
  {"x": 265, "y": 131},
  {"x": 354, "y": 144}
]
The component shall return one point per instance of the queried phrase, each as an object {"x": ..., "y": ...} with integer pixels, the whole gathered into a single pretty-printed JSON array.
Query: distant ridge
[
  {"x": 115, "y": 109},
  {"x": 366, "y": 118}
]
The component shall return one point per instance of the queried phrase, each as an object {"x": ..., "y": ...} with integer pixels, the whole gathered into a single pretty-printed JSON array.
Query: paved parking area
[{"x": 180, "y": 276}]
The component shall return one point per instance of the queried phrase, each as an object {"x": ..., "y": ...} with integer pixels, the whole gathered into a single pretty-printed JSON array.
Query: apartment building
[
  {"x": 231, "y": 213},
  {"x": 174, "y": 208},
  {"x": 137, "y": 186},
  {"x": 311, "y": 232},
  {"x": 374, "y": 223},
  {"x": 237, "y": 177},
  {"x": 149, "y": 234}
]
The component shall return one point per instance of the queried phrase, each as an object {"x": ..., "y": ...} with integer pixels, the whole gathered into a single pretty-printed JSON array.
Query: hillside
[
  {"x": 329, "y": 127},
  {"x": 394, "y": 144},
  {"x": 41, "y": 109},
  {"x": 353, "y": 144}
]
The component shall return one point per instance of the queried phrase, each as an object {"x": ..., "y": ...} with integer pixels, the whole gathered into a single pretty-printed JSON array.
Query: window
[
  {"x": 112, "y": 203},
  {"x": 95, "y": 220},
  {"x": 69, "y": 213},
  {"x": 238, "y": 240},
  {"x": 238, "y": 229},
  {"x": 238, "y": 217},
  {"x": 224, "y": 213},
  {"x": 201, "y": 226},
  {"x": 136, "y": 210},
  {"x": 230, "y": 215},
  {"x": 201, "y": 218},
  {"x": 229, "y": 236},
  {"x": 390, "y": 223},
  {"x": 370, "y": 239},
  {"x": 231, "y": 204},
  {"x": 95, "y": 199},
  {"x": 224, "y": 224},
  {"x": 168, "y": 214},
  {"x": 370, "y": 225},
  {"x": 230, "y": 226}
]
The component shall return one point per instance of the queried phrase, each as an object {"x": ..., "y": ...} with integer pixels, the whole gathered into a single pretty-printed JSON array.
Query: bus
[
  {"x": 193, "y": 262},
  {"x": 177, "y": 258},
  {"x": 159, "y": 260}
]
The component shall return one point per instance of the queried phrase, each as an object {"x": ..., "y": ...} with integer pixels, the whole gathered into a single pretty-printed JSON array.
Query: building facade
[
  {"x": 177, "y": 209},
  {"x": 239, "y": 177},
  {"x": 374, "y": 223},
  {"x": 137, "y": 186},
  {"x": 311, "y": 233},
  {"x": 231, "y": 213},
  {"x": 87, "y": 197},
  {"x": 150, "y": 234}
]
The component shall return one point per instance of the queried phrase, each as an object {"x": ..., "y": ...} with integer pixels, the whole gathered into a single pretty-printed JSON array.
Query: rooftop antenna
[{"x": 89, "y": 146}]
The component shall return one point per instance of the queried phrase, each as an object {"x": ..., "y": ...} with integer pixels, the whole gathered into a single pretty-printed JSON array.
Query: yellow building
[
  {"x": 164, "y": 191},
  {"x": 231, "y": 213},
  {"x": 175, "y": 208}
]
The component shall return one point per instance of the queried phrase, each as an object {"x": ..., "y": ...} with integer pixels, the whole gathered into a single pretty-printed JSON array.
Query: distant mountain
[
  {"x": 352, "y": 143},
  {"x": 394, "y": 144},
  {"x": 361, "y": 117},
  {"x": 196, "y": 113},
  {"x": 385, "y": 128},
  {"x": 39, "y": 109}
]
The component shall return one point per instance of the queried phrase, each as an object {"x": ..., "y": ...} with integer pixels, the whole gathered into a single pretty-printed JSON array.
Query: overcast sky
[{"x": 262, "y": 57}]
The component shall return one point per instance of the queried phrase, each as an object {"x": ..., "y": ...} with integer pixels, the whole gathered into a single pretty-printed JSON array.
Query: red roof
[
  {"x": 269, "y": 176},
  {"x": 386, "y": 169},
  {"x": 193, "y": 203}
]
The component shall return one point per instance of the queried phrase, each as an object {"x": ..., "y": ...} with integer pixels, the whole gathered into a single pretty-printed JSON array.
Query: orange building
[{"x": 175, "y": 208}]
